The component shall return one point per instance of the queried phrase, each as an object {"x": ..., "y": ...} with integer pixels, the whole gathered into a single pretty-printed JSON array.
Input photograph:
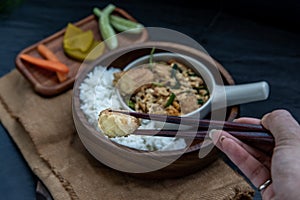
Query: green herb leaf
[
  {"x": 131, "y": 104},
  {"x": 151, "y": 55},
  {"x": 174, "y": 70},
  {"x": 200, "y": 101},
  {"x": 170, "y": 100},
  {"x": 157, "y": 84}
]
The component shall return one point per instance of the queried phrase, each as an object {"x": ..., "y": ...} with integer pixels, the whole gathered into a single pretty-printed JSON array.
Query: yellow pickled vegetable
[
  {"x": 97, "y": 48},
  {"x": 81, "y": 45},
  {"x": 81, "y": 41},
  {"x": 71, "y": 31}
]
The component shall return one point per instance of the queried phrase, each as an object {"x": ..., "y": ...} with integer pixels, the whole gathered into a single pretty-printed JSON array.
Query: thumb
[{"x": 283, "y": 126}]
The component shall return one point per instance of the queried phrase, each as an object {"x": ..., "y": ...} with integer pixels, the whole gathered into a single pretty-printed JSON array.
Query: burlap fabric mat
[{"x": 43, "y": 130}]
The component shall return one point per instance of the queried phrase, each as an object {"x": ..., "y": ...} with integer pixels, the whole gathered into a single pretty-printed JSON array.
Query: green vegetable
[
  {"x": 121, "y": 24},
  {"x": 97, "y": 12},
  {"x": 191, "y": 74},
  {"x": 128, "y": 26},
  {"x": 170, "y": 100},
  {"x": 174, "y": 70},
  {"x": 131, "y": 104},
  {"x": 200, "y": 87},
  {"x": 176, "y": 66},
  {"x": 157, "y": 84},
  {"x": 200, "y": 101},
  {"x": 151, "y": 56},
  {"x": 107, "y": 31}
]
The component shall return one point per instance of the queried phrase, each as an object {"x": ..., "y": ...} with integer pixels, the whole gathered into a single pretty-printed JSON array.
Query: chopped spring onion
[
  {"x": 151, "y": 56},
  {"x": 170, "y": 100},
  {"x": 131, "y": 104}
]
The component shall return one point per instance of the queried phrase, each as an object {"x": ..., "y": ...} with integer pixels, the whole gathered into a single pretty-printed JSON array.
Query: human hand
[{"x": 283, "y": 167}]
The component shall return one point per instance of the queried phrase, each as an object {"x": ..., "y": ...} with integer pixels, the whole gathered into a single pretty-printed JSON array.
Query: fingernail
[
  {"x": 222, "y": 138},
  {"x": 214, "y": 135},
  {"x": 211, "y": 133}
]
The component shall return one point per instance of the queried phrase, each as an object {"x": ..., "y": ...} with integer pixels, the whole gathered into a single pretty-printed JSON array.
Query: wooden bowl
[{"x": 139, "y": 163}]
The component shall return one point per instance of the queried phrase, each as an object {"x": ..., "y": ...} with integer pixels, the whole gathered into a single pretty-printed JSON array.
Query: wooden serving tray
[{"x": 45, "y": 82}]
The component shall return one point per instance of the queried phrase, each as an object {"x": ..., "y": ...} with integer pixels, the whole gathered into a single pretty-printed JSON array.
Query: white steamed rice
[{"x": 98, "y": 93}]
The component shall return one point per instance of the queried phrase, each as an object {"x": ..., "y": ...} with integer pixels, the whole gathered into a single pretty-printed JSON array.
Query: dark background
[{"x": 254, "y": 40}]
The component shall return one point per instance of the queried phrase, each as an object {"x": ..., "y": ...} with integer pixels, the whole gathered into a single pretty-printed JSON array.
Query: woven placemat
[{"x": 43, "y": 130}]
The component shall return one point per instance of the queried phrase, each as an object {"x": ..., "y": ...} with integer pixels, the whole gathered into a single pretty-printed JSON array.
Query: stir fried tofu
[
  {"x": 116, "y": 124},
  {"x": 129, "y": 81}
]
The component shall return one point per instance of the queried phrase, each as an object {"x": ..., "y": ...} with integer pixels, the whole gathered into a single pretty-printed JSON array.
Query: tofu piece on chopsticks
[{"x": 117, "y": 124}]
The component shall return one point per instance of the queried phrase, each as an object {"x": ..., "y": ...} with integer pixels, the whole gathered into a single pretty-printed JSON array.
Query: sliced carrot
[
  {"x": 48, "y": 54},
  {"x": 46, "y": 64},
  {"x": 61, "y": 76}
]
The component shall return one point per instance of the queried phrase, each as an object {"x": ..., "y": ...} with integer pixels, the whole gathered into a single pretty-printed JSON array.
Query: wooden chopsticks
[
  {"x": 201, "y": 124},
  {"x": 201, "y": 135},
  {"x": 253, "y": 134}
]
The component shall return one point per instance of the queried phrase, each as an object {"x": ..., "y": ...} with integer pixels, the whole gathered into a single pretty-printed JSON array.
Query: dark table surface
[{"x": 253, "y": 40}]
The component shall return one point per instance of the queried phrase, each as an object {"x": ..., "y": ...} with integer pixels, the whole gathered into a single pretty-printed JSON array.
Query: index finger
[{"x": 249, "y": 165}]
